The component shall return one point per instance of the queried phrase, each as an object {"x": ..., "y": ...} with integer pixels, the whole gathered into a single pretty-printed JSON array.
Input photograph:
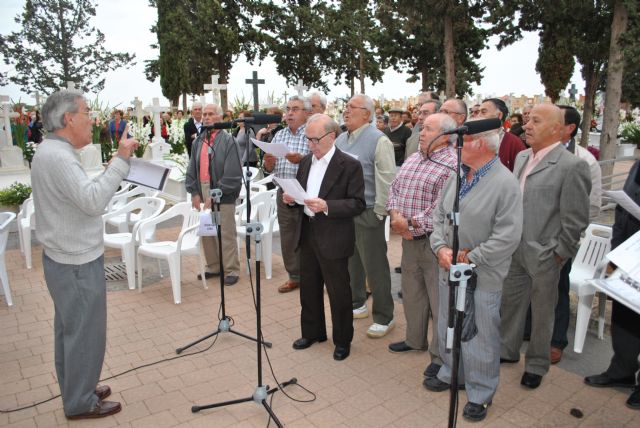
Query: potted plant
[
  {"x": 13, "y": 196},
  {"x": 630, "y": 133}
]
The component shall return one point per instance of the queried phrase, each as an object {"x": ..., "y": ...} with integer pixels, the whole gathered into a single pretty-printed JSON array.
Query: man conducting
[
  {"x": 68, "y": 209},
  {"x": 326, "y": 235}
]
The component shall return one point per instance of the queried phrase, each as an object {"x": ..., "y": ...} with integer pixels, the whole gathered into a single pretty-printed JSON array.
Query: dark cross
[
  {"x": 573, "y": 92},
  {"x": 255, "y": 82}
]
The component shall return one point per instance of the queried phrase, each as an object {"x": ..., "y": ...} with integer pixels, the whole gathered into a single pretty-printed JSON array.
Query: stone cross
[
  {"x": 158, "y": 146},
  {"x": 215, "y": 87},
  {"x": 255, "y": 82},
  {"x": 137, "y": 109},
  {"x": 573, "y": 91},
  {"x": 286, "y": 96},
  {"x": 300, "y": 88},
  {"x": 71, "y": 85}
]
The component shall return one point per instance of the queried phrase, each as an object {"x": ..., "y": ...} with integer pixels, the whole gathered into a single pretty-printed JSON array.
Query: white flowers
[
  {"x": 176, "y": 132},
  {"x": 140, "y": 132}
]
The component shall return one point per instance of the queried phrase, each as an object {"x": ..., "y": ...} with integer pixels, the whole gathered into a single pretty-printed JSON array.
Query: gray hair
[
  {"x": 306, "y": 104},
  {"x": 330, "y": 125},
  {"x": 447, "y": 124},
  {"x": 196, "y": 104},
  {"x": 216, "y": 108},
  {"x": 438, "y": 104},
  {"x": 461, "y": 105},
  {"x": 59, "y": 103},
  {"x": 368, "y": 104},
  {"x": 491, "y": 138},
  {"x": 321, "y": 97}
]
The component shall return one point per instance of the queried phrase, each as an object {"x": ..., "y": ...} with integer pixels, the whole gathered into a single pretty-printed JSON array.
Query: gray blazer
[{"x": 556, "y": 207}]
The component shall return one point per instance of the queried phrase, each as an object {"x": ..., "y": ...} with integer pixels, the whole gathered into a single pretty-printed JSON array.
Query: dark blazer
[
  {"x": 343, "y": 189},
  {"x": 189, "y": 130},
  {"x": 625, "y": 224}
]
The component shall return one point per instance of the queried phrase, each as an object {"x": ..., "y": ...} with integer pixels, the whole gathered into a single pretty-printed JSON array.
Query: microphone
[
  {"x": 476, "y": 127},
  {"x": 257, "y": 119}
]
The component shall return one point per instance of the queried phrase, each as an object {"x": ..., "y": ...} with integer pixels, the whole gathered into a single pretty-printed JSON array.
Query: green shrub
[{"x": 15, "y": 194}]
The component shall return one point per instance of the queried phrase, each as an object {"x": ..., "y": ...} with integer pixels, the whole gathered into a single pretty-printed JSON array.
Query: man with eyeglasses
[
  {"x": 456, "y": 109},
  {"x": 427, "y": 108},
  {"x": 297, "y": 113},
  {"x": 326, "y": 235},
  {"x": 510, "y": 145},
  {"x": 369, "y": 262}
]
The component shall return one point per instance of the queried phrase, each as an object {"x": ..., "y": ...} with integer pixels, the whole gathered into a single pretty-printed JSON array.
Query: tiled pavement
[{"x": 372, "y": 388}]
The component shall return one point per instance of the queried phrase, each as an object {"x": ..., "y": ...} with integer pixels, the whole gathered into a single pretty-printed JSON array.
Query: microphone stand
[
  {"x": 459, "y": 273},
  {"x": 224, "y": 326},
  {"x": 253, "y": 229}
]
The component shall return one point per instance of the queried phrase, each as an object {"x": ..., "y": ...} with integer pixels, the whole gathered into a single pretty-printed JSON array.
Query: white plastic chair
[
  {"x": 5, "y": 219},
  {"x": 188, "y": 243},
  {"x": 264, "y": 211},
  {"x": 118, "y": 201},
  {"x": 26, "y": 223},
  {"x": 589, "y": 263},
  {"x": 146, "y": 208}
]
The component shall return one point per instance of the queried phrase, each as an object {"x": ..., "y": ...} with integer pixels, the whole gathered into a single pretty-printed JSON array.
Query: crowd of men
[{"x": 523, "y": 206}]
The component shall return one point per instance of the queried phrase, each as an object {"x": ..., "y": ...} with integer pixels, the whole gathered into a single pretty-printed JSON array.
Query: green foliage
[
  {"x": 15, "y": 194},
  {"x": 631, "y": 133},
  {"x": 555, "y": 63},
  {"x": 56, "y": 44}
]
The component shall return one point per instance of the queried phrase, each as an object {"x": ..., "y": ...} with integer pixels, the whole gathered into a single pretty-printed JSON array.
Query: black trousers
[
  {"x": 625, "y": 338},
  {"x": 316, "y": 272}
]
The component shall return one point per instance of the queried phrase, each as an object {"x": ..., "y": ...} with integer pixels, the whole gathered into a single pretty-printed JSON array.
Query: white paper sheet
[
  {"x": 624, "y": 201},
  {"x": 627, "y": 256},
  {"x": 620, "y": 290},
  {"x": 147, "y": 174},
  {"x": 293, "y": 188},
  {"x": 279, "y": 150},
  {"x": 206, "y": 227}
]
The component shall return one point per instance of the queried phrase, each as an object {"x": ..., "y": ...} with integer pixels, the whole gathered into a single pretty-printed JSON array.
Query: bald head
[{"x": 545, "y": 126}]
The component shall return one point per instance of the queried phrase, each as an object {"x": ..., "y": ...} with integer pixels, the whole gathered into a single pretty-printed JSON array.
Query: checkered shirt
[
  {"x": 297, "y": 143},
  {"x": 466, "y": 186},
  {"x": 416, "y": 188}
]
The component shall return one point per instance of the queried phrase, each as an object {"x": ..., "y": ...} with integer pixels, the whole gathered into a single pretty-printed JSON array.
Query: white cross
[
  {"x": 382, "y": 101},
  {"x": 215, "y": 87},
  {"x": 7, "y": 114},
  {"x": 156, "y": 109},
  {"x": 37, "y": 95},
  {"x": 301, "y": 88},
  {"x": 203, "y": 100},
  {"x": 71, "y": 86},
  {"x": 137, "y": 109}
]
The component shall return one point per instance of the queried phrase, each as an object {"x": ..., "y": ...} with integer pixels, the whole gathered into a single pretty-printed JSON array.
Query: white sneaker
[
  {"x": 361, "y": 312},
  {"x": 378, "y": 330}
]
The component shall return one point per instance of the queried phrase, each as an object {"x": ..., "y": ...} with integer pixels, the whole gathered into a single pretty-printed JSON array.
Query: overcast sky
[{"x": 126, "y": 25}]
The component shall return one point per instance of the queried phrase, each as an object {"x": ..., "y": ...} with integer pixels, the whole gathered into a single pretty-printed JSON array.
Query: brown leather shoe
[
  {"x": 289, "y": 286},
  {"x": 556, "y": 355},
  {"x": 102, "y": 409},
  {"x": 103, "y": 391}
]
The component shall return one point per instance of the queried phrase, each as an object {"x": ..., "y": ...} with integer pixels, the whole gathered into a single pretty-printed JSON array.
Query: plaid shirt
[
  {"x": 297, "y": 143},
  {"x": 416, "y": 188},
  {"x": 466, "y": 186}
]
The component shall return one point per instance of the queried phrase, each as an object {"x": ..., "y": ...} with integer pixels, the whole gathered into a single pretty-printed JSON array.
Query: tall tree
[
  {"x": 555, "y": 62},
  {"x": 56, "y": 44}
]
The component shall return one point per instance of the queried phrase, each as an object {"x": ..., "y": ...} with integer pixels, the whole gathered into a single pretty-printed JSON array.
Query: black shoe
[
  {"x": 634, "y": 399},
  {"x": 603, "y": 381},
  {"x": 475, "y": 412},
  {"x": 207, "y": 275},
  {"x": 231, "y": 279},
  {"x": 341, "y": 352},
  {"x": 432, "y": 370},
  {"x": 398, "y": 269},
  {"x": 401, "y": 347},
  {"x": 436, "y": 385},
  {"x": 304, "y": 343},
  {"x": 531, "y": 380},
  {"x": 506, "y": 360}
]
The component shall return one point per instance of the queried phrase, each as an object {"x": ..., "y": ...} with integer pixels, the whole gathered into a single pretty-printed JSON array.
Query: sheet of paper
[
  {"x": 293, "y": 188},
  {"x": 624, "y": 201},
  {"x": 352, "y": 155},
  {"x": 147, "y": 174},
  {"x": 627, "y": 256},
  {"x": 619, "y": 289},
  {"x": 277, "y": 149},
  {"x": 206, "y": 227}
]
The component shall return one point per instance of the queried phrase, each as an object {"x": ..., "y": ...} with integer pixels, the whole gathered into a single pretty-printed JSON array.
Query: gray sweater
[
  {"x": 68, "y": 204},
  {"x": 490, "y": 224}
]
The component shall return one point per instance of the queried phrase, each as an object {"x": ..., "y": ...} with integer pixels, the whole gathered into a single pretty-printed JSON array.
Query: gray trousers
[
  {"x": 369, "y": 263},
  {"x": 420, "y": 295},
  {"x": 288, "y": 221},
  {"x": 520, "y": 289},
  {"x": 480, "y": 357},
  {"x": 79, "y": 295},
  {"x": 230, "y": 260}
]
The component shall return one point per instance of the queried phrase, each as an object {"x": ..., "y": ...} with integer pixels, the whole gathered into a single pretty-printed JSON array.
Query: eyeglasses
[
  {"x": 293, "y": 109},
  {"x": 351, "y": 107},
  {"x": 316, "y": 141},
  {"x": 445, "y": 111}
]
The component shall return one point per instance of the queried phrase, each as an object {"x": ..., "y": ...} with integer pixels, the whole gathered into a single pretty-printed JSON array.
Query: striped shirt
[
  {"x": 466, "y": 186},
  {"x": 416, "y": 188},
  {"x": 297, "y": 143}
]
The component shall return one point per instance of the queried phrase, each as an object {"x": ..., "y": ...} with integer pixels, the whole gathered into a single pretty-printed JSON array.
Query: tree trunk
[
  {"x": 361, "y": 72},
  {"x": 425, "y": 76},
  {"x": 591, "y": 74},
  {"x": 352, "y": 85},
  {"x": 609, "y": 136},
  {"x": 184, "y": 103},
  {"x": 449, "y": 65}
]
